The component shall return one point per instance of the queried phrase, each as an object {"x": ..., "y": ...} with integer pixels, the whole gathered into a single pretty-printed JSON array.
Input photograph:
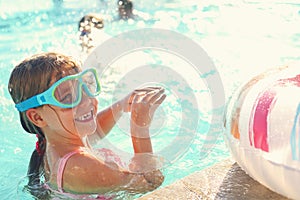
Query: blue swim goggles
[{"x": 66, "y": 92}]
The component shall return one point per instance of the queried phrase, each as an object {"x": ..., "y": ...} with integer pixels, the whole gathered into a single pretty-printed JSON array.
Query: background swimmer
[
  {"x": 125, "y": 9},
  {"x": 86, "y": 25}
]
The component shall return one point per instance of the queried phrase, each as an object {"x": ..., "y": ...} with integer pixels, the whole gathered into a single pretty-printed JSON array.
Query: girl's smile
[{"x": 86, "y": 117}]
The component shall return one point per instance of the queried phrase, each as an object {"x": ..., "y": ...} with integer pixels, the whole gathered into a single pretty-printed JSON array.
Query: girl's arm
[
  {"x": 143, "y": 107},
  {"x": 107, "y": 118}
]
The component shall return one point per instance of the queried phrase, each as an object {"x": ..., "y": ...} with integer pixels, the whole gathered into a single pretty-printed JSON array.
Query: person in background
[
  {"x": 86, "y": 25},
  {"x": 57, "y": 102},
  {"x": 125, "y": 8}
]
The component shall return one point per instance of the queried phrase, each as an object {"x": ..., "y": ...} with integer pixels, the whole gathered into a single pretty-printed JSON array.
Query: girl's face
[{"x": 80, "y": 120}]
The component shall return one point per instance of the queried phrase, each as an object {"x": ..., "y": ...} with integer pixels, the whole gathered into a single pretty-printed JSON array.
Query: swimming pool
[{"x": 243, "y": 38}]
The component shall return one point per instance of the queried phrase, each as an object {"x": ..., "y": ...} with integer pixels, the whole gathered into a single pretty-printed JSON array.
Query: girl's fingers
[
  {"x": 154, "y": 97},
  {"x": 147, "y": 89},
  {"x": 160, "y": 99},
  {"x": 146, "y": 95},
  {"x": 156, "y": 103}
]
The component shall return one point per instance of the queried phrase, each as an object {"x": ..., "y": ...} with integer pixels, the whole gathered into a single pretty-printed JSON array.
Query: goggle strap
[{"x": 29, "y": 103}]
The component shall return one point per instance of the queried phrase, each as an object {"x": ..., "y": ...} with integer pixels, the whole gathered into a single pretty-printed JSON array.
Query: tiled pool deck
[{"x": 225, "y": 180}]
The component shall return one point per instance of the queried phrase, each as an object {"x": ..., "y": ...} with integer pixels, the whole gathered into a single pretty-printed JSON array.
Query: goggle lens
[{"x": 69, "y": 91}]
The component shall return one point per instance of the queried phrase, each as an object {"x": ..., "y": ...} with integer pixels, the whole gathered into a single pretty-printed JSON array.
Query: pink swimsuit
[{"x": 61, "y": 167}]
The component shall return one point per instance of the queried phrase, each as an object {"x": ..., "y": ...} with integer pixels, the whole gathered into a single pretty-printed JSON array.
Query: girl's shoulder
[{"x": 86, "y": 171}]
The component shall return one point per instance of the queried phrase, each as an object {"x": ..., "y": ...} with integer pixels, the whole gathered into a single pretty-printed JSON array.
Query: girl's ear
[{"x": 35, "y": 117}]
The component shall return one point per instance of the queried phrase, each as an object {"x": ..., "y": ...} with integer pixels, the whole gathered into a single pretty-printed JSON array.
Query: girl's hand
[
  {"x": 127, "y": 101},
  {"x": 143, "y": 103}
]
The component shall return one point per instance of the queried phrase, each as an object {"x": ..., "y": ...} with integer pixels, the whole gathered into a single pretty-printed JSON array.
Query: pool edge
[{"x": 224, "y": 180}]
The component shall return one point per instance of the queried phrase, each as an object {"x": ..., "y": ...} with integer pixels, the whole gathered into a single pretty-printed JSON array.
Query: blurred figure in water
[
  {"x": 125, "y": 8},
  {"x": 86, "y": 25},
  {"x": 127, "y": 12}
]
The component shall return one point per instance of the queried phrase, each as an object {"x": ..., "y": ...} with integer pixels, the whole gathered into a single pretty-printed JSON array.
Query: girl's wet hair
[{"x": 32, "y": 76}]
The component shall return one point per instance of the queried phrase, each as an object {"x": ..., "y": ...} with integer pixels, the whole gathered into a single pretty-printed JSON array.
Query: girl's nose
[{"x": 86, "y": 99}]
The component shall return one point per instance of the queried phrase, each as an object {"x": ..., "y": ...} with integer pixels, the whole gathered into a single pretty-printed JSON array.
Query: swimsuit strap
[{"x": 61, "y": 167}]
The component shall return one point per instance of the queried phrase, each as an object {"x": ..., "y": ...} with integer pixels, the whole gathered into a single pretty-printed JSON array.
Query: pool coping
[{"x": 224, "y": 180}]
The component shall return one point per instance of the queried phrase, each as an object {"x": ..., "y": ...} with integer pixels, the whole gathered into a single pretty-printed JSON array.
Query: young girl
[{"x": 56, "y": 101}]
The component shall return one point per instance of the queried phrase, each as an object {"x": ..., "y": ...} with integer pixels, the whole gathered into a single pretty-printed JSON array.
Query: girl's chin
[{"x": 86, "y": 129}]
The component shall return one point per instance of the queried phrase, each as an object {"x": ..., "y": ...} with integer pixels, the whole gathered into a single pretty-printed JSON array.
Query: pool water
[{"x": 243, "y": 38}]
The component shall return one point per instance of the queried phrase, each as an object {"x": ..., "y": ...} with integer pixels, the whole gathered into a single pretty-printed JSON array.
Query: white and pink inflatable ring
[{"x": 262, "y": 124}]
